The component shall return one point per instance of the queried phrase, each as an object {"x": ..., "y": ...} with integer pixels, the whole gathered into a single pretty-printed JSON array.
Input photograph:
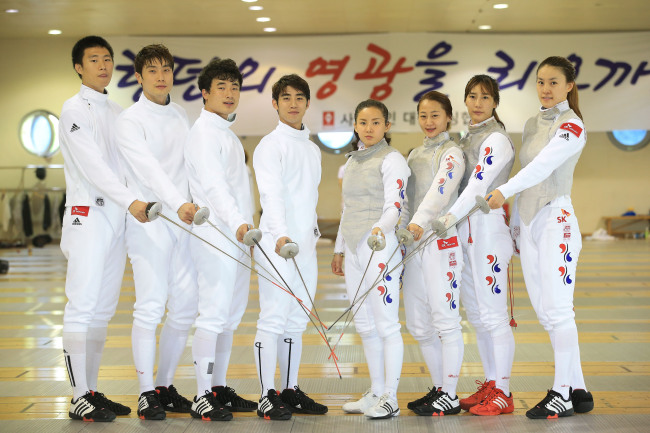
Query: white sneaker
[
  {"x": 386, "y": 407},
  {"x": 367, "y": 401}
]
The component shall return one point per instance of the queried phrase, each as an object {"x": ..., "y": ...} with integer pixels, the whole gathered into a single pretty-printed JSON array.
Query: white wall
[{"x": 37, "y": 73}]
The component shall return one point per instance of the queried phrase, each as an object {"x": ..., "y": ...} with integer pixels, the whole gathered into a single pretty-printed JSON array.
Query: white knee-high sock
[
  {"x": 222, "y": 358},
  {"x": 373, "y": 348},
  {"x": 431, "y": 349},
  {"x": 95, "y": 341},
  {"x": 203, "y": 346},
  {"x": 74, "y": 354},
  {"x": 566, "y": 340},
  {"x": 289, "y": 354},
  {"x": 504, "y": 355},
  {"x": 170, "y": 350},
  {"x": 143, "y": 344},
  {"x": 577, "y": 378},
  {"x": 453, "y": 349},
  {"x": 266, "y": 352},
  {"x": 393, "y": 358},
  {"x": 486, "y": 351}
]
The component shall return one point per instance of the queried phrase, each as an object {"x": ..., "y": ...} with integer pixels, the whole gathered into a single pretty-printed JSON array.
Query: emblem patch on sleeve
[{"x": 572, "y": 128}]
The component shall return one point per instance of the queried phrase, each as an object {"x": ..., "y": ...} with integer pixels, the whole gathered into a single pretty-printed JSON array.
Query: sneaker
[
  {"x": 441, "y": 405},
  {"x": 172, "y": 401},
  {"x": 582, "y": 400},
  {"x": 482, "y": 391},
  {"x": 149, "y": 406},
  {"x": 298, "y": 402},
  {"x": 495, "y": 403},
  {"x": 386, "y": 407},
  {"x": 208, "y": 408},
  {"x": 88, "y": 408},
  {"x": 271, "y": 407},
  {"x": 234, "y": 403},
  {"x": 420, "y": 401},
  {"x": 551, "y": 407},
  {"x": 115, "y": 407},
  {"x": 368, "y": 400}
]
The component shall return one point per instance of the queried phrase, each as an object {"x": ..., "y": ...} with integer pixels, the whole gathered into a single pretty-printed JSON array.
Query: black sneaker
[
  {"x": 440, "y": 404},
  {"x": 149, "y": 406},
  {"x": 271, "y": 407},
  {"x": 172, "y": 401},
  {"x": 582, "y": 400},
  {"x": 551, "y": 407},
  {"x": 420, "y": 401},
  {"x": 229, "y": 398},
  {"x": 298, "y": 402},
  {"x": 208, "y": 408},
  {"x": 88, "y": 408},
  {"x": 115, "y": 407}
]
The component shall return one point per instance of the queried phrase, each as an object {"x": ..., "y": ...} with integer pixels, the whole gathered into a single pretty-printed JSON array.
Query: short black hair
[
  {"x": 292, "y": 80},
  {"x": 147, "y": 55},
  {"x": 88, "y": 42},
  {"x": 221, "y": 69}
]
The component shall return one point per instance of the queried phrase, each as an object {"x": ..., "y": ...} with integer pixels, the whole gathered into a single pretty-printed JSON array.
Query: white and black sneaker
[
  {"x": 87, "y": 408},
  {"x": 440, "y": 404},
  {"x": 208, "y": 408},
  {"x": 149, "y": 406},
  {"x": 427, "y": 397},
  {"x": 386, "y": 407},
  {"x": 551, "y": 407},
  {"x": 367, "y": 400},
  {"x": 272, "y": 407}
]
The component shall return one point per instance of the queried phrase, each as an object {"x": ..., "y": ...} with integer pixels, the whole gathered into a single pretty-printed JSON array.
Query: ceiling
[{"x": 76, "y": 18}]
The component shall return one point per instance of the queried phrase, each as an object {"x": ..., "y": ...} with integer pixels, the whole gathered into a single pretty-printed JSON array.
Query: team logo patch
[
  {"x": 572, "y": 128},
  {"x": 99, "y": 201},
  {"x": 74, "y": 128},
  {"x": 492, "y": 279},
  {"x": 383, "y": 292},
  {"x": 80, "y": 210},
  {"x": 565, "y": 136},
  {"x": 76, "y": 222},
  {"x": 564, "y": 270},
  {"x": 451, "y": 242},
  {"x": 453, "y": 285}
]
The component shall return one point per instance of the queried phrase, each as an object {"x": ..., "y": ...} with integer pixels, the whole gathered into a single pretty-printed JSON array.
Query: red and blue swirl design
[
  {"x": 448, "y": 175},
  {"x": 453, "y": 285},
  {"x": 564, "y": 270},
  {"x": 487, "y": 160},
  {"x": 400, "y": 187},
  {"x": 383, "y": 292},
  {"x": 495, "y": 268}
]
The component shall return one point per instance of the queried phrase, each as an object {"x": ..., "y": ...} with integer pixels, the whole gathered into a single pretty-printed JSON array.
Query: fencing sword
[
  {"x": 438, "y": 230},
  {"x": 154, "y": 210},
  {"x": 289, "y": 251}
]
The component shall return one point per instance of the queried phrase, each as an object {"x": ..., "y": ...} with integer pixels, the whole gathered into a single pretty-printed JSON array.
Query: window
[{"x": 39, "y": 133}]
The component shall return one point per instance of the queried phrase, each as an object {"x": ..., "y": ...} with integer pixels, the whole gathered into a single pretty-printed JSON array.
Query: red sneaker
[
  {"x": 495, "y": 403},
  {"x": 482, "y": 392}
]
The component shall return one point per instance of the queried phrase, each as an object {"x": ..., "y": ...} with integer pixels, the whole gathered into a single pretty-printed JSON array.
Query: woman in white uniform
[
  {"x": 549, "y": 237},
  {"x": 373, "y": 189},
  {"x": 487, "y": 247},
  {"x": 431, "y": 277}
]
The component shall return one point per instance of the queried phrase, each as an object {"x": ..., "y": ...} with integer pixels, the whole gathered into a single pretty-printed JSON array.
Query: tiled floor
[{"x": 612, "y": 302}]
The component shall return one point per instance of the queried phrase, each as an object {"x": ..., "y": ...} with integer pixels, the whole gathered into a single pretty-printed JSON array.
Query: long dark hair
[
  {"x": 365, "y": 104},
  {"x": 442, "y": 99},
  {"x": 569, "y": 72},
  {"x": 488, "y": 84}
]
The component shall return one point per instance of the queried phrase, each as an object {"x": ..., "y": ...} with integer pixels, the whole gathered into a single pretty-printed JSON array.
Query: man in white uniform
[
  {"x": 288, "y": 169},
  {"x": 151, "y": 136},
  {"x": 218, "y": 177},
  {"x": 97, "y": 198}
]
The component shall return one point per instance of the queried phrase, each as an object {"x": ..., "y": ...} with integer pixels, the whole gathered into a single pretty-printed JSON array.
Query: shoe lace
[
  {"x": 303, "y": 398},
  {"x": 481, "y": 385},
  {"x": 547, "y": 399},
  {"x": 175, "y": 398},
  {"x": 491, "y": 396}
]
